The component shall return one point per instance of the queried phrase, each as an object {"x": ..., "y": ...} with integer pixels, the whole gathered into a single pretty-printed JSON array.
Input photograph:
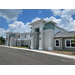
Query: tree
[
  {"x": 0, "y": 42},
  {"x": 73, "y": 40}
]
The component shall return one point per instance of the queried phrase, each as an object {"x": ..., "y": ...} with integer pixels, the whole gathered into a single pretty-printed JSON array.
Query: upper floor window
[
  {"x": 30, "y": 35},
  {"x": 25, "y": 36},
  {"x": 18, "y": 36}
]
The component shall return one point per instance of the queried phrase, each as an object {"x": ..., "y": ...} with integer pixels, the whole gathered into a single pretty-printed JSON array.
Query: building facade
[
  {"x": 63, "y": 41},
  {"x": 43, "y": 36},
  {"x": 18, "y": 39}
]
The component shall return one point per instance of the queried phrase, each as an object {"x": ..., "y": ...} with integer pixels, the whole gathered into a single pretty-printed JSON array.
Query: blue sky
[{"x": 17, "y": 20}]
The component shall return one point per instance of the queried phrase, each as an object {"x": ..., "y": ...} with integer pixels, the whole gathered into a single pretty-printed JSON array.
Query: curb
[{"x": 44, "y": 52}]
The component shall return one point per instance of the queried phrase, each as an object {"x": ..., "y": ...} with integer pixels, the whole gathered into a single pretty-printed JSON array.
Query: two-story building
[
  {"x": 43, "y": 36},
  {"x": 18, "y": 39}
]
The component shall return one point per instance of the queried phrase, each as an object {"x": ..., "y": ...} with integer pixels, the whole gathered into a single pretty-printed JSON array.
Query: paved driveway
[{"x": 9, "y": 56}]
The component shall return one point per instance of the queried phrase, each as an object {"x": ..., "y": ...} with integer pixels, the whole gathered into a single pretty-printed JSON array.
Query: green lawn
[{"x": 21, "y": 47}]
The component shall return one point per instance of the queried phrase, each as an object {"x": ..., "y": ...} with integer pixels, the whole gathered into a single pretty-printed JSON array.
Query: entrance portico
[
  {"x": 37, "y": 35},
  {"x": 42, "y": 34}
]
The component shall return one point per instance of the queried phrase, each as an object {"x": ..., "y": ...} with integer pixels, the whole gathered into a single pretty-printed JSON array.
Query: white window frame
[
  {"x": 59, "y": 42},
  {"x": 70, "y": 43}
]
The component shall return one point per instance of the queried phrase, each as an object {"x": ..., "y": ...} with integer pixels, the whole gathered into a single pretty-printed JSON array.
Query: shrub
[
  {"x": 0, "y": 42},
  {"x": 74, "y": 40}
]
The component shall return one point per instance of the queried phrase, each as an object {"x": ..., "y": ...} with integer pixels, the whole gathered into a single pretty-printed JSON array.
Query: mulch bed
[{"x": 63, "y": 52}]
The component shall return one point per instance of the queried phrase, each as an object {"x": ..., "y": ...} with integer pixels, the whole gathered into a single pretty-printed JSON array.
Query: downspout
[
  {"x": 16, "y": 41},
  {"x": 61, "y": 43}
]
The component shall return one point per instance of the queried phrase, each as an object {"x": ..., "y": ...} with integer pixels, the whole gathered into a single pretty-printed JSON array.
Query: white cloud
[
  {"x": 65, "y": 12},
  {"x": 2, "y": 32},
  {"x": 53, "y": 19},
  {"x": 68, "y": 11},
  {"x": 67, "y": 22},
  {"x": 19, "y": 27},
  {"x": 56, "y": 12},
  {"x": 35, "y": 19},
  {"x": 58, "y": 21},
  {"x": 39, "y": 11},
  {"x": 10, "y": 14}
]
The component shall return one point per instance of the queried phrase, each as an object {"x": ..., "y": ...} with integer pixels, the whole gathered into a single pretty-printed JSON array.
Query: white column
[
  {"x": 7, "y": 42},
  {"x": 12, "y": 41},
  {"x": 32, "y": 39},
  {"x": 41, "y": 39}
]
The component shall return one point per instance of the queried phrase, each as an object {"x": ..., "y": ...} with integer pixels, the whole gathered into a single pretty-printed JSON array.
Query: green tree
[
  {"x": 74, "y": 40},
  {"x": 0, "y": 42}
]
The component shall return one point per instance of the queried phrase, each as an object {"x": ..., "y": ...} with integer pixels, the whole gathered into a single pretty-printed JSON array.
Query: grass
[{"x": 21, "y": 47}]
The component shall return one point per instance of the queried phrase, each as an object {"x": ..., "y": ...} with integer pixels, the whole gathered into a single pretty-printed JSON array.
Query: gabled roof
[
  {"x": 50, "y": 22},
  {"x": 12, "y": 33},
  {"x": 65, "y": 34},
  {"x": 36, "y": 22},
  {"x": 41, "y": 20},
  {"x": 17, "y": 33},
  {"x": 61, "y": 28}
]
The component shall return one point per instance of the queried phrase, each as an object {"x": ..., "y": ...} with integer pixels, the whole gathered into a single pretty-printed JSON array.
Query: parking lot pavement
[{"x": 10, "y": 56}]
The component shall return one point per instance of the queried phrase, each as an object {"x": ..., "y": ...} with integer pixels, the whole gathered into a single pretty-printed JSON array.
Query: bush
[
  {"x": 0, "y": 42},
  {"x": 74, "y": 40}
]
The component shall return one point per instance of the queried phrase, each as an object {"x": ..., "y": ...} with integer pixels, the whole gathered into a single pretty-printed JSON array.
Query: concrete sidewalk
[{"x": 44, "y": 52}]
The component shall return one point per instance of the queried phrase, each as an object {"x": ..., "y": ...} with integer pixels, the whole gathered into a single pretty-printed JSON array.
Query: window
[
  {"x": 69, "y": 43},
  {"x": 18, "y": 36},
  {"x": 30, "y": 35},
  {"x": 57, "y": 43},
  {"x": 72, "y": 45},
  {"x": 25, "y": 36}
]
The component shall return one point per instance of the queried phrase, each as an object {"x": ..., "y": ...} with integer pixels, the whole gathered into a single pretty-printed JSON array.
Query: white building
[
  {"x": 18, "y": 39},
  {"x": 43, "y": 36}
]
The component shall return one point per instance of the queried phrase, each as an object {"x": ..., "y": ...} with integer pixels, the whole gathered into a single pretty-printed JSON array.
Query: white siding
[
  {"x": 22, "y": 37},
  {"x": 7, "y": 35},
  {"x": 39, "y": 25},
  {"x": 57, "y": 29}
]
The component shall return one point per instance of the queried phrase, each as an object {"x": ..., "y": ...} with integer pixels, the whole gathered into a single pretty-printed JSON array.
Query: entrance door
[
  {"x": 37, "y": 38},
  {"x": 9, "y": 41},
  {"x": 22, "y": 43}
]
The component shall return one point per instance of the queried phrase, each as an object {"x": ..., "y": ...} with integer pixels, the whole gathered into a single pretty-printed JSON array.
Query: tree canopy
[{"x": 2, "y": 40}]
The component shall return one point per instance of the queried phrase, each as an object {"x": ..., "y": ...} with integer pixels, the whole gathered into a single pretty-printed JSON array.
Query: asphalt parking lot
[{"x": 10, "y": 56}]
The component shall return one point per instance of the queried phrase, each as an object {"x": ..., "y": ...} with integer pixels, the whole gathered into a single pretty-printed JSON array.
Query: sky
[{"x": 17, "y": 20}]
